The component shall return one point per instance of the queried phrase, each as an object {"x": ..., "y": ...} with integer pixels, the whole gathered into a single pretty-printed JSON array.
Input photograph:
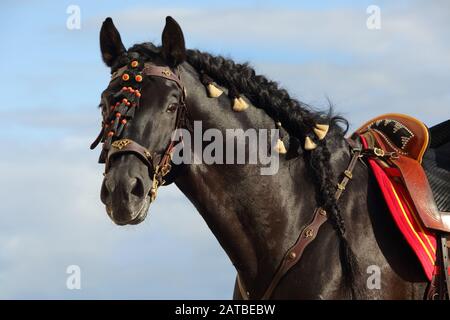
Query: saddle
[
  {"x": 400, "y": 145},
  {"x": 406, "y": 140}
]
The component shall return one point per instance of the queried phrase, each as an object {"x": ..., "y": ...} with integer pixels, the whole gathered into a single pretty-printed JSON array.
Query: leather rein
[{"x": 123, "y": 111}]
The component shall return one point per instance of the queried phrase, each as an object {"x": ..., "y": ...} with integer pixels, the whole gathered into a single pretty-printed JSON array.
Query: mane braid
[{"x": 296, "y": 117}]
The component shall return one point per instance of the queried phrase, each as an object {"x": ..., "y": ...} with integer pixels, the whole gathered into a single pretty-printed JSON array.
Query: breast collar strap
[{"x": 307, "y": 235}]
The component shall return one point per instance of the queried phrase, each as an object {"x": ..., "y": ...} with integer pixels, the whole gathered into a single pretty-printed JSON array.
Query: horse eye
[{"x": 172, "y": 107}]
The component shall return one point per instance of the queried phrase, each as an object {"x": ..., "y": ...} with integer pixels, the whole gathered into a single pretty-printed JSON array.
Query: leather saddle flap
[{"x": 408, "y": 138}]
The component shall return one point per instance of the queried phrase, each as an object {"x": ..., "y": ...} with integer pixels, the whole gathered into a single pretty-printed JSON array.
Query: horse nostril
[
  {"x": 105, "y": 191},
  {"x": 137, "y": 188},
  {"x": 110, "y": 184}
]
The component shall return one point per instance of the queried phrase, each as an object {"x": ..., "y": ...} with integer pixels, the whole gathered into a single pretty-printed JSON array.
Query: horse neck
[{"x": 255, "y": 218}]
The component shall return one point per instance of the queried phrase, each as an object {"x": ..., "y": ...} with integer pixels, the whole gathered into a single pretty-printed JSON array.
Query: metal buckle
[
  {"x": 378, "y": 152},
  {"x": 155, "y": 185},
  {"x": 341, "y": 186},
  {"x": 348, "y": 174},
  {"x": 394, "y": 156},
  {"x": 166, "y": 169}
]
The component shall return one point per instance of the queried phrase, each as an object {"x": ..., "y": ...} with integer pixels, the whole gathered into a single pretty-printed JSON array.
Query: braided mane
[{"x": 296, "y": 117}]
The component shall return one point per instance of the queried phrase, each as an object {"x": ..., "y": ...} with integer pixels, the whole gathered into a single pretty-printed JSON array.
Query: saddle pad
[
  {"x": 422, "y": 241},
  {"x": 440, "y": 134},
  {"x": 436, "y": 163}
]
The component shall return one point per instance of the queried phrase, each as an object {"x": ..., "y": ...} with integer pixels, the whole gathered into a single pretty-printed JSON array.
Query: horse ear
[
  {"x": 111, "y": 44},
  {"x": 173, "y": 48}
]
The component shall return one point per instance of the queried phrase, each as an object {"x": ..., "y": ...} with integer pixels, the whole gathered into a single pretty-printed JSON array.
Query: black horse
[{"x": 256, "y": 218}]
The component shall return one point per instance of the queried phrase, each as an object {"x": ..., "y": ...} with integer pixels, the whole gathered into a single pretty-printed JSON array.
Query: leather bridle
[{"x": 123, "y": 111}]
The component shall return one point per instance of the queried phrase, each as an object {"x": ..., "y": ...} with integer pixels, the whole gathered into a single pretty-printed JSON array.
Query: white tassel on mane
[
  {"x": 239, "y": 104},
  {"x": 213, "y": 91}
]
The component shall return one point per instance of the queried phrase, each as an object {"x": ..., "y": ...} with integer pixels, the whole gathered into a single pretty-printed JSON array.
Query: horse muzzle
[{"x": 126, "y": 195}]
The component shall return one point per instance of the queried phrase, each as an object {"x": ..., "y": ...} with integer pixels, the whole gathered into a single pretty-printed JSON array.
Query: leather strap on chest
[{"x": 307, "y": 235}]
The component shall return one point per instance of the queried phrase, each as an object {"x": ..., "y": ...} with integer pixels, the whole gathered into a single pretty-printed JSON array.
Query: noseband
[{"x": 120, "y": 113}]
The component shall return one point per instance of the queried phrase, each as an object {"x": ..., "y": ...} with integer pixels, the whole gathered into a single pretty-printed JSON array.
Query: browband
[{"x": 163, "y": 72}]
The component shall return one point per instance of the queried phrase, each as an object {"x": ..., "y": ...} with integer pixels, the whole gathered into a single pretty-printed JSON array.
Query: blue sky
[{"x": 51, "y": 215}]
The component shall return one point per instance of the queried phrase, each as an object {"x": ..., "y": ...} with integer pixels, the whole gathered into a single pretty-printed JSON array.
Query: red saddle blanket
[{"x": 421, "y": 240}]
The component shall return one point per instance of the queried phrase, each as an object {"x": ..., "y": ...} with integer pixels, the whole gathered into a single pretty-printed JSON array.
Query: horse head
[{"x": 141, "y": 107}]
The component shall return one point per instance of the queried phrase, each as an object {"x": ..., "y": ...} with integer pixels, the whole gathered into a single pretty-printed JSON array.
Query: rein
[
  {"x": 308, "y": 233},
  {"x": 123, "y": 111}
]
